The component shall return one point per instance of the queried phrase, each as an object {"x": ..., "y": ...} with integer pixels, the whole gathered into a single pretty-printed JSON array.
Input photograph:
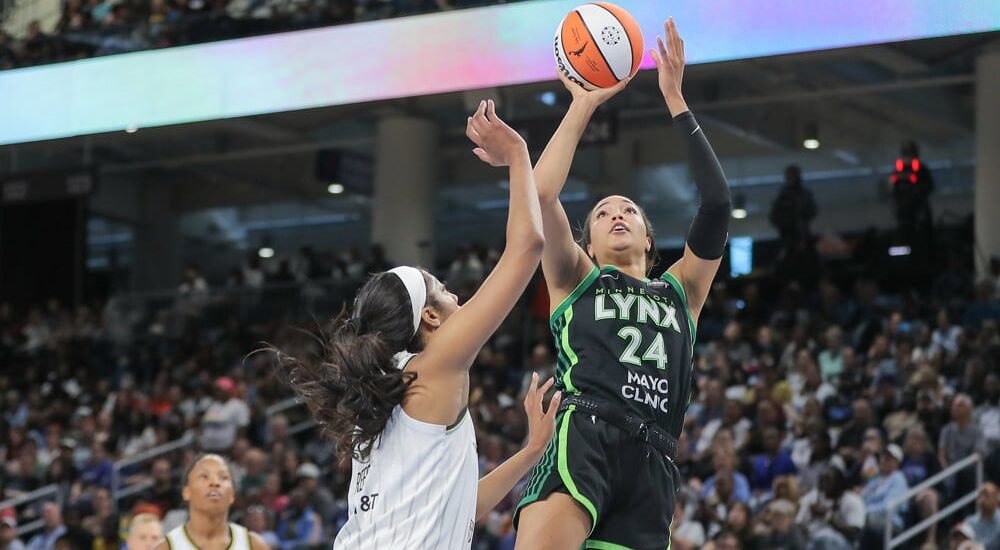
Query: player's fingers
[
  {"x": 491, "y": 111},
  {"x": 662, "y": 46},
  {"x": 482, "y": 154},
  {"x": 554, "y": 405},
  {"x": 479, "y": 117},
  {"x": 472, "y": 134},
  {"x": 656, "y": 57}
]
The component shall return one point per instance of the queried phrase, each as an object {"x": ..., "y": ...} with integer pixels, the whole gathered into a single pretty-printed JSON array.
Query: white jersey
[
  {"x": 417, "y": 491},
  {"x": 178, "y": 539}
]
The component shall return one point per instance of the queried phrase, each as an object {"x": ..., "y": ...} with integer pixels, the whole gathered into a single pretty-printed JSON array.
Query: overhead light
[
  {"x": 335, "y": 188},
  {"x": 739, "y": 206},
  {"x": 266, "y": 252},
  {"x": 899, "y": 251},
  {"x": 811, "y": 136},
  {"x": 548, "y": 98},
  {"x": 131, "y": 129}
]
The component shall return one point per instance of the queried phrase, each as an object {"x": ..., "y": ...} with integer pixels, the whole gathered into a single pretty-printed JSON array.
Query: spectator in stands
[
  {"x": 985, "y": 523},
  {"x": 986, "y": 306},
  {"x": 97, "y": 470},
  {"x": 8, "y": 533},
  {"x": 100, "y": 512},
  {"x": 740, "y": 523},
  {"x": 778, "y": 529},
  {"x": 987, "y": 415},
  {"x": 715, "y": 507},
  {"x": 8, "y": 57},
  {"x": 258, "y": 521},
  {"x": 832, "y": 515},
  {"x": 724, "y": 462},
  {"x": 963, "y": 538},
  {"x": 888, "y": 484},
  {"x": 831, "y": 359},
  {"x": 299, "y": 525},
  {"x": 724, "y": 540},
  {"x": 317, "y": 496},
  {"x": 53, "y": 528},
  {"x": 685, "y": 534},
  {"x": 144, "y": 531},
  {"x": 36, "y": 46},
  {"x": 164, "y": 493},
  {"x": 774, "y": 462},
  {"x": 791, "y": 214},
  {"x": 256, "y": 471},
  {"x": 225, "y": 418}
]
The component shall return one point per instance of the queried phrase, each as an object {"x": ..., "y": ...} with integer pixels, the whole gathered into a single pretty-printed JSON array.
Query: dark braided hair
[{"x": 353, "y": 387}]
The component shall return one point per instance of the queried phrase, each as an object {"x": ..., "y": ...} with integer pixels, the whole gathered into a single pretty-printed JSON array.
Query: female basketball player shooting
[
  {"x": 394, "y": 388},
  {"x": 209, "y": 492},
  {"x": 607, "y": 479}
]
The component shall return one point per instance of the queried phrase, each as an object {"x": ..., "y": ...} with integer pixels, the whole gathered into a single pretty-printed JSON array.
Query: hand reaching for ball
[
  {"x": 497, "y": 143},
  {"x": 591, "y": 98}
]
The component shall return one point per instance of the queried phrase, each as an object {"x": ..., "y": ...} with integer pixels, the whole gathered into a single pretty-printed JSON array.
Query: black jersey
[{"x": 627, "y": 341}]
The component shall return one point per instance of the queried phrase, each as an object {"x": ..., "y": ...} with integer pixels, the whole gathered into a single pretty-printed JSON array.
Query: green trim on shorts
[
  {"x": 564, "y": 474},
  {"x": 601, "y": 545},
  {"x": 541, "y": 473},
  {"x": 568, "y": 351},
  {"x": 568, "y": 300}
]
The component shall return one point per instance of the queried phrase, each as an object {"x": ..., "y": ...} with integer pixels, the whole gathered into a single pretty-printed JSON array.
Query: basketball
[{"x": 598, "y": 45}]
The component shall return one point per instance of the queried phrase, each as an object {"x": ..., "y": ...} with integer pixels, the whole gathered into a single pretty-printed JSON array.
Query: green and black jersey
[{"x": 627, "y": 341}]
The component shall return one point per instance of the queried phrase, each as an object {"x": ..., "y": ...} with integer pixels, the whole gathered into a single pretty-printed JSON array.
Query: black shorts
[{"x": 627, "y": 488}]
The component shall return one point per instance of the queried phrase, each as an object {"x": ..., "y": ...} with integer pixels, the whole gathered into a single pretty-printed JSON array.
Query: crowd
[
  {"x": 89, "y": 28},
  {"x": 814, "y": 408}
]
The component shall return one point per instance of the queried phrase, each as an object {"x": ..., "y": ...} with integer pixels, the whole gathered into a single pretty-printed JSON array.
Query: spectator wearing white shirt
[
  {"x": 224, "y": 419},
  {"x": 832, "y": 515}
]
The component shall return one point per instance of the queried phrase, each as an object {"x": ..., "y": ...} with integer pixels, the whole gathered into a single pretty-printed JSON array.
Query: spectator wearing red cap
[
  {"x": 8, "y": 532},
  {"x": 224, "y": 419}
]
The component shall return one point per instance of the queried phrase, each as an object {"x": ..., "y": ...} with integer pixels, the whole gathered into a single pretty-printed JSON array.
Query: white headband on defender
[{"x": 413, "y": 280}]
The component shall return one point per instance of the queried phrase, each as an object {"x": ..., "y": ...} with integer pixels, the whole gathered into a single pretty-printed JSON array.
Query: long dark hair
[
  {"x": 651, "y": 256},
  {"x": 353, "y": 386}
]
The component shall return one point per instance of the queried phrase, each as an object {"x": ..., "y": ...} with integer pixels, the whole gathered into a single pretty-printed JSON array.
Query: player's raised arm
[
  {"x": 564, "y": 262},
  {"x": 458, "y": 342},
  {"x": 706, "y": 239}
]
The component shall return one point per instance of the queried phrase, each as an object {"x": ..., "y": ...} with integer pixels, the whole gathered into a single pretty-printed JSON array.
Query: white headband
[{"x": 413, "y": 280}]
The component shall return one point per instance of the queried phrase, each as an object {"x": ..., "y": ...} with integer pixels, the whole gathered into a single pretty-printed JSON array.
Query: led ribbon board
[{"x": 459, "y": 50}]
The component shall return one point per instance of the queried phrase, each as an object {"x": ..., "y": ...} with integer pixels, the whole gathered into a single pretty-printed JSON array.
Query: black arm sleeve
[{"x": 710, "y": 228}]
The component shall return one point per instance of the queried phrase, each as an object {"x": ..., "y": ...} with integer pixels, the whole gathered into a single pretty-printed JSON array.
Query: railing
[
  {"x": 118, "y": 492},
  {"x": 290, "y": 404},
  {"x": 951, "y": 471},
  {"x": 49, "y": 492}
]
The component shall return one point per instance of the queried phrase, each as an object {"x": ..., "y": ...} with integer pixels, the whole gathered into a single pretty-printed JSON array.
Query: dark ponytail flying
[{"x": 354, "y": 385}]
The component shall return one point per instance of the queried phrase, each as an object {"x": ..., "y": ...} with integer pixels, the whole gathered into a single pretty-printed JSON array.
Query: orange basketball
[{"x": 598, "y": 45}]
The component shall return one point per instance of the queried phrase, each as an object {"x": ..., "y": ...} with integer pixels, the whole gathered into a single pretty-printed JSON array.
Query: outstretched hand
[
  {"x": 591, "y": 98},
  {"x": 669, "y": 58},
  {"x": 541, "y": 423},
  {"x": 497, "y": 143}
]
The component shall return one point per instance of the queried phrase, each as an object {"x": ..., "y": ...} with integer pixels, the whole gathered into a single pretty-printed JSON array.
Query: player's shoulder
[{"x": 257, "y": 542}]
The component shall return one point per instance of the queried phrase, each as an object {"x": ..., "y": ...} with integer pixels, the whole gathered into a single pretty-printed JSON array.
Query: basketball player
[
  {"x": 607, "y": 479},
  {"x": 209, "y": 492},
  {"x": 393, "y": 388}
]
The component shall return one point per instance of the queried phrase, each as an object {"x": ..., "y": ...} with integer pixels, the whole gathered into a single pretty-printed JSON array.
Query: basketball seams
[
  {"x": 597, "y": 45},
  {"x": 631, "y": 47},
  {"x": 570, "y": 69}
]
